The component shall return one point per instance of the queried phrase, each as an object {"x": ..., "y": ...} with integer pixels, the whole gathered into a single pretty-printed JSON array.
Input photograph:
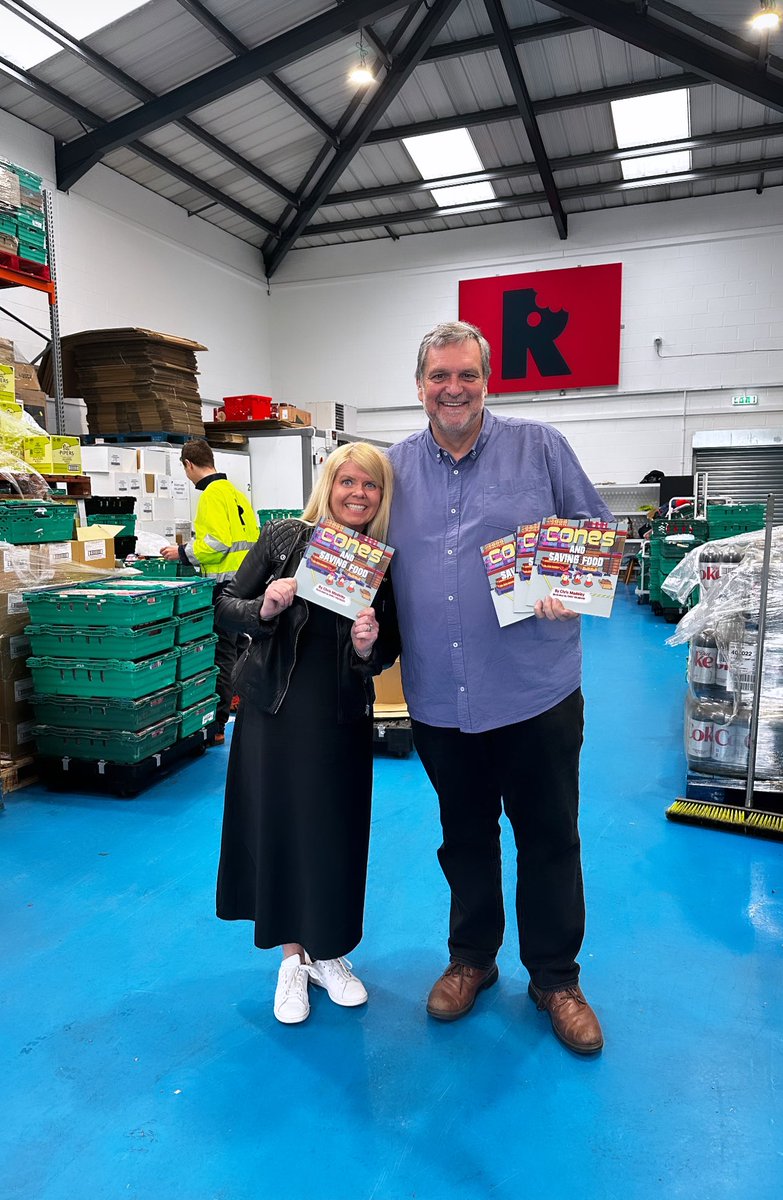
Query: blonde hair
[{"x": 377, "y": 466}]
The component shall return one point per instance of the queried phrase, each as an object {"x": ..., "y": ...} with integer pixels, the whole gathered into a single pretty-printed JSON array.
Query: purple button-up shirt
[{"x": 460, "y": 669}]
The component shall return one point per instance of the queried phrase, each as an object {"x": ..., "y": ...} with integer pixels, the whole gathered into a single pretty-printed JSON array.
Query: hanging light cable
[{"x": 361, "y": 73}]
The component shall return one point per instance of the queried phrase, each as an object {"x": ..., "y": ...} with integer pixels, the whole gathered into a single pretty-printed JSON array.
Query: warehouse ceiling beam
[
  {"x": 435, "y": 17},
  {"x": 106, "y": 68},
  {"x": 66, "y": 104},
  {"x": 667, "y": 41},
  {"x": 347, "y": 117},
  {"x": 490, "y": 116},
  {"x": 520, "y": 36},
  {"x": 707, "y": 29},
  {"x": 612, "y": 187},
  {"x": 78, "y": 156},
  {"x": 525, "y": 110},
  {"x": 224, "y": 35},
  {"x": 595, "y": 158}
]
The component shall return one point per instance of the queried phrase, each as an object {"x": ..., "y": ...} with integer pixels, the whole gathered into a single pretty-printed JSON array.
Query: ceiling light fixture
[
  {"x": 768, "y": 18},
  {"x": 361, "y": 74}
]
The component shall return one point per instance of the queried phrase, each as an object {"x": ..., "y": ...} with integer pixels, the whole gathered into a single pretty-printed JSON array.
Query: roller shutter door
[{"x": 746, "y": 473}]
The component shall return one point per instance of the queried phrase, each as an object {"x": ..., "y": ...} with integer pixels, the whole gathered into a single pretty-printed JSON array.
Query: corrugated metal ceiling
[{"x": 250, "y": 157}]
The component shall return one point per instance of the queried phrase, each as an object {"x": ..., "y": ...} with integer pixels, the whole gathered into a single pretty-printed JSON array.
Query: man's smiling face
[{"x": 452, "y": 390}]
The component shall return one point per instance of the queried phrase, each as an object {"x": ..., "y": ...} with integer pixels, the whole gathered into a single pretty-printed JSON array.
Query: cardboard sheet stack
[{"x": 133, "y": 380}]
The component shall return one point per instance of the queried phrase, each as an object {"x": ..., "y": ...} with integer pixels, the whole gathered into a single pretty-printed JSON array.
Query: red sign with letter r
[{"x": 549, "y": 329}]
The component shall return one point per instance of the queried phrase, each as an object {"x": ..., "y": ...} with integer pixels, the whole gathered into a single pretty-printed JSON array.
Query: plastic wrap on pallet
[{"x": 737, "y": 593}]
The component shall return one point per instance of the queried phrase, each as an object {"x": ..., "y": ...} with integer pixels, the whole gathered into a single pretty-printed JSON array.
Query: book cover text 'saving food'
[{"x": 341, "y": 569}]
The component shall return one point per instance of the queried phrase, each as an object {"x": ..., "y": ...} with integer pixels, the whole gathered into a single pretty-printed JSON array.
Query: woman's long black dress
[{"x": 296, "y": 825}]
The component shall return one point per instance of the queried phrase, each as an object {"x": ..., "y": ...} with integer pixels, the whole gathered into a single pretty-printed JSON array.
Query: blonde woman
[{"x": 296, "y": 823}]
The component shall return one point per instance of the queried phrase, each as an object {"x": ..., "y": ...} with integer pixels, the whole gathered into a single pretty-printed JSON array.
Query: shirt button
[
  {"x": 453, "y": 510},
  {"x": 449, "y": 551},
  {"x": 451, "y": 597},
  {"x": 456, "y": 472},
  {"x": 462, "y": 689},
  {"x": 455, "y": 645}
]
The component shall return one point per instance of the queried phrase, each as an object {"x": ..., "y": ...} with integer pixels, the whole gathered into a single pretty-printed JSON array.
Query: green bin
[
  {"x": 195, "y": 626},
  {"x": 65, "y": 641},
  {"x": 126, "y": 520},
  {"x": 198, "y": 716},
  {"x": 190, "y": 595},
  {"x": 161, "y": 568},
  {"x": 197, "y": 687},
  {"x": 91, "y": 605},
  {"x": 127, "y": 715},
  {"x": 30, "y": 522},
  {"x": 104, "y": 677},
  {"x": 107, "y": 745},
  {"x": 196, "y": 657}
]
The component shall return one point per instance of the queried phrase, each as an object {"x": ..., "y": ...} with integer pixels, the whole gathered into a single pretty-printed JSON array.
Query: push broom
[{"x": 746, "y": 818}]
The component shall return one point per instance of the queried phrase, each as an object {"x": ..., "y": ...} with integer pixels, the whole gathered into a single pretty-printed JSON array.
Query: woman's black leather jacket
[{"x": 264, "y": 671}]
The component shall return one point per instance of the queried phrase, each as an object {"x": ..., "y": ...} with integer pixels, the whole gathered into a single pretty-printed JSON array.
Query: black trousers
[{"x": 530, "y": 769}]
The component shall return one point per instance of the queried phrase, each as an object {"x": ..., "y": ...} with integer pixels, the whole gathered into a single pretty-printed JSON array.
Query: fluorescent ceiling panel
[
  {"x": 644, "y": 120},
  {"x": 438, "y": 155},
  {"x": 26, "y": 46}
]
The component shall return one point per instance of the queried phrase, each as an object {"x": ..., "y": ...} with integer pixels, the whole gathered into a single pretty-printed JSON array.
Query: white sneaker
[
  {"x": 336, "y": 976},
  {"x": 291, "y": 1003}
]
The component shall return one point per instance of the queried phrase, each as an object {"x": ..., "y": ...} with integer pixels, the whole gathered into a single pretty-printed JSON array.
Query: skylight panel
[
  {"x": 644, "y": 120},
  {"x": 438, "y": 155},
  {"x": 26, "y": 46}
]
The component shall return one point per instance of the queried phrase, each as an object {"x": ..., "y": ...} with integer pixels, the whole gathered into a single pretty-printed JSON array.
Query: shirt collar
[
  {"x": 439, "y": 454},
  {"x": 207, "y": 480}
]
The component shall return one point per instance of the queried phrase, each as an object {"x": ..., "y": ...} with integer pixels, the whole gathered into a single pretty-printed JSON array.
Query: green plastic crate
[
  {"x": 27, "y": 178},
  {"x": 90, "y": 605},
  {"x": 28, "y": 522},
  {"x": 162, "y": 568},
  {"x": 196, "y": 657},
  {"x": 102, "y": 641},
  {"x": 197, "y": 687},
  {"x": 195, "y": 626},
  {"x": 126, "y": 520},
  {"x": 190, "y": 595},
  {"x": 32, "y": 253},
  {"x": 277, "y": 514},
  {"x": 198, "y": 716},
  {"x": 107, "y": 745},
  {"x": 96, "y": 678},
  {"x": 127, "y": 715},
  {"x": 36, "y": 238}
]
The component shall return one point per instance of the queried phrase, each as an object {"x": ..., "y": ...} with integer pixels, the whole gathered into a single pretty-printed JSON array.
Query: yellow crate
[
  {"x": 66, "y": 456},
  {"x": 38, "y": 453}
]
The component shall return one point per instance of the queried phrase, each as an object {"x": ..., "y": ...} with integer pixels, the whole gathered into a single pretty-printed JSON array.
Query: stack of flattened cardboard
[{"x": 134, "y": 380}]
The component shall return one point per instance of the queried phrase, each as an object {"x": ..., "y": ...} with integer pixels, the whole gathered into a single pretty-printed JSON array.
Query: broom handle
[{"x": 762, "y": 626}]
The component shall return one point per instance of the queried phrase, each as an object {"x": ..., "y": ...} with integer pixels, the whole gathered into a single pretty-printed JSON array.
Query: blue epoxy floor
[{"x": 139, "y": 1056}]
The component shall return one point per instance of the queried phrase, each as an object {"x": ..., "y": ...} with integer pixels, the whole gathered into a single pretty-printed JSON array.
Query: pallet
[
  {"x": 17, "y": 773},
  {"x": 226, "y": 441},
  {"x": 120, "y": 439},
  {"x": 76, "y": 485},
  {"x": 391, "y": 737},
  {"x": 124, "y": 780},
  {"x": 250, "y": 426},
  {"x": 721, "y": 789}
]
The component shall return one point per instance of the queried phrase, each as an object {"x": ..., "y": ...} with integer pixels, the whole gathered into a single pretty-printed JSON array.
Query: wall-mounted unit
[{"x": 334, "y": 415}]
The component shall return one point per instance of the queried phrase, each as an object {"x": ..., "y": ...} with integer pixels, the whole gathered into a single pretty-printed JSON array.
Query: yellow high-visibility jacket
[{"x": 226, "y": 528}]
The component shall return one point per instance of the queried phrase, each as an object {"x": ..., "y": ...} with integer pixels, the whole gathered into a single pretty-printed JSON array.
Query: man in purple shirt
[{"x": 496, "y": 712}]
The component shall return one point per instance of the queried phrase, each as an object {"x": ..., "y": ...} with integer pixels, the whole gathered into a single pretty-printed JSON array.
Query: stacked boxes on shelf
[
  {"x": 23, "y": 420},
  {"x": 153, "y": 475},
  {"x": 22, "y": 224}
]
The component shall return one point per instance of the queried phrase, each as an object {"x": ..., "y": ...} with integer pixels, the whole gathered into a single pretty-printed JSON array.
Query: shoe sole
[
  {"x": 292, "y": 1020},
  {"x": 342, "y": 1003},
  {"x": 488, "y": 982},
  {"x": 592, "y": 1049}
]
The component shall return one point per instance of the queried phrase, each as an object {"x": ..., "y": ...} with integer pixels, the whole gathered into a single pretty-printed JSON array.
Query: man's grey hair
[{"x": 448, "y": 334}]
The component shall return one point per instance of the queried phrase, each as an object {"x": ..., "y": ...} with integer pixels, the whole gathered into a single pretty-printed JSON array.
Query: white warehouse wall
[
  {"x": 127, "y": 257},
  {"x": 705, "y": 274}
]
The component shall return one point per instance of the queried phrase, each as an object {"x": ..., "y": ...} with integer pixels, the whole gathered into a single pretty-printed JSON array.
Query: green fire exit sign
[{"x": 744, "y": 401}]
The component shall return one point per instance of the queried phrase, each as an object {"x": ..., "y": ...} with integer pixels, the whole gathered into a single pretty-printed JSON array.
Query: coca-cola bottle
[
  {"x": 702, "y": 665},
  {"x": 730, "y": 739},
  {"x": 709, "y": 570},
  {"x": 700, "y": 716}
]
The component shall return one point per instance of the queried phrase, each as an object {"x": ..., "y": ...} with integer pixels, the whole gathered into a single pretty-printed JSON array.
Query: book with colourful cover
[
  {"x": 527, "y": 538},
  {"x": 578, "y": 562},
  {"x": 500, "y": 564},
  {"x": 341, "y": 569}
]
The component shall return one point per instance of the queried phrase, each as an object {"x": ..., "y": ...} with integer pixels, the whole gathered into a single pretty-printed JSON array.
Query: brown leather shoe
[
  {"x": 573, "y": 1020},
  {"x": 454, "y": 994}
]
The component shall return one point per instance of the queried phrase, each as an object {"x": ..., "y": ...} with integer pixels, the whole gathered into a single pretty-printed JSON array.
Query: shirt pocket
[{"x": 511, "y": 503}]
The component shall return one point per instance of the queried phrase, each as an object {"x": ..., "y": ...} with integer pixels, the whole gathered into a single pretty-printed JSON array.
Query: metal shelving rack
[{"x": 10, "y": 278}]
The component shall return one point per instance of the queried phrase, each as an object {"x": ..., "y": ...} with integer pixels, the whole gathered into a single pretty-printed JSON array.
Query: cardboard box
[
  {"x": 66, "y": 455},
  {"x": 163, "y": 486},
  {"x": 17, "y": 739},
  {"x": 6, "y": 352},
  {"x": 389, "y": 698},
  {"x": 34, "y": 403},
  {"x": 38, "y": 453},
  {"x": 26, "y": 377},
  {"x": 152, "y": 460},
  {"x": 166, "y": 529},
  {"x": 7, "y": 386},
  {"x": 108, "y": 458},
  {"x": 94, "y": 551},
  {"x": 162, "y": 509},
  {"x": 296, "y": 416}
]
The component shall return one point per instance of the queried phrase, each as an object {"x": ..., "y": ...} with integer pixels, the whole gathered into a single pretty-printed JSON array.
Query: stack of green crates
[
  {"x": 32, "y": 522},
  {"x": 161, "y": 568},
  {"x": 26, "y": 224},
  {"x": 104, "y": 670},
  {"x": 671, "y": 539},
  {"x": 730, "y": 520},
  {"x": 196, "y": 673}
]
